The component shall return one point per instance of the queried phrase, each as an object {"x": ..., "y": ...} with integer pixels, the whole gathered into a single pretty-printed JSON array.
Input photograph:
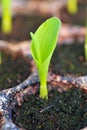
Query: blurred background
[{"x": 19, "y": 17}]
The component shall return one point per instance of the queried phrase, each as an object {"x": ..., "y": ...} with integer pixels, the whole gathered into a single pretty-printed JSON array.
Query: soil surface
[
  {"x": 69, "y": 59},
  {"x": 12, "y": 70},
  {"x": 63, "y": 111}
]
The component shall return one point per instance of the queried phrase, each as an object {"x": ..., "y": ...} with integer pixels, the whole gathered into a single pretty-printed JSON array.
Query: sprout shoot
[
  {"x": 72, "y": 6},
  {"x": 85, "y": 44},
  {"x": 6, "y": 16},
  {"x": 42, "y": 47}
]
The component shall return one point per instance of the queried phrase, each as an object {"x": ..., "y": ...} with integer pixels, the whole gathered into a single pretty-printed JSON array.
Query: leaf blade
[{"x": 47, "y": 35}]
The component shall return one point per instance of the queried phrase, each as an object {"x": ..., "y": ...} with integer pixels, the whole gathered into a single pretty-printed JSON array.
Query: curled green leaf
[{"x": 42, "y": 47}]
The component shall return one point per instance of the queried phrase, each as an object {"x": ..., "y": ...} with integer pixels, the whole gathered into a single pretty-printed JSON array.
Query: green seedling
[
  {"x": 72, "y": 6},
  {"x": 85, "y": 44},
  {"x": 6, "y": 16},
  {"x": 42, "y": 47}
]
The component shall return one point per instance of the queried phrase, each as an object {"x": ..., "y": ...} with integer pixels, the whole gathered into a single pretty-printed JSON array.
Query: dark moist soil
[
  {"x": 22, "y": 26},
  {"x": 12, "y": 70},
  {"x": 63, "y": 111},
  {"x": 69, "y": 59},
  {"x": 70, "y": 108}
]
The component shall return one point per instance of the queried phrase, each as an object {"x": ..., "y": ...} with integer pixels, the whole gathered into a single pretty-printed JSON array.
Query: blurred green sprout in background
[
  {"x": 72, "y": 6},
  {"x": 85, "y": 44},
  {"x": 6, "y": 16},
  {"x": 42, "y": 47}
]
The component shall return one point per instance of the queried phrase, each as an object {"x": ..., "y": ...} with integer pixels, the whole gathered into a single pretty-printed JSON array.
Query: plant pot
[
  {"x": 13, "y": 71},
  {"x": 67, "y": 105},
  {"x": 64, "y": 111}
]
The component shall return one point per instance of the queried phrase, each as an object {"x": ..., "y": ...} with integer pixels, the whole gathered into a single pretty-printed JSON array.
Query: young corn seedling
[
  {"x": 85, "y": 44},
  {"x": 6, "y": 16},
  {"x": 42, "y": 47},
  {"x": 72, "y": 6}
]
